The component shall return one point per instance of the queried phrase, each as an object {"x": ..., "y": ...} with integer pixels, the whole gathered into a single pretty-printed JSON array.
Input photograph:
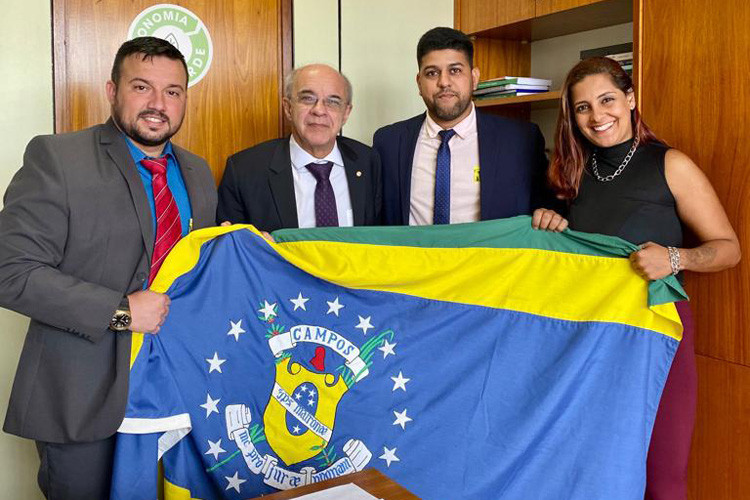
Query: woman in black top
[{"x": 620, "y": 180}]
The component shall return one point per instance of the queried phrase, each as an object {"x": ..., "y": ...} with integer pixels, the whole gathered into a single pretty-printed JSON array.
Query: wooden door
[
  {"x": 235, "y": 105},
  {"x": 695, "y": 76}
]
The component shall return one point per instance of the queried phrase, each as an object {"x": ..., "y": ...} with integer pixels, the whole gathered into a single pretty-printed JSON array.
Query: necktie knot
[
  {"x": 445, "y": 135},
  {"x": 157, "y": 166},
  {"x": 321, "y": 171}
]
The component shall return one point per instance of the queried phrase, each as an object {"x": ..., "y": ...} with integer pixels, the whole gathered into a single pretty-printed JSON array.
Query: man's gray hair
[{"x": 292, "y": 76}]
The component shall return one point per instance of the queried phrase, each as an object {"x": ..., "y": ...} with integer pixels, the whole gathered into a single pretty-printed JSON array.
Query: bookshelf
[
  {"x": 543, "y": 100},
  {"x": 506, "y": 32}
]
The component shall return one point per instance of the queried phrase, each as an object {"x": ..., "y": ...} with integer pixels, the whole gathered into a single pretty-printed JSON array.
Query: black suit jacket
[
  {"x": 76, "y": 235},
  {"x": 511, "y": 160},
  {"x": 258, "y": 187}
]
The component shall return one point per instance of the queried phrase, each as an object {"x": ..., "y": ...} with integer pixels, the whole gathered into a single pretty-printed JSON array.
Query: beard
[
  {"x": 450, "y": 112},
  {"x": 139, "y": 132}
]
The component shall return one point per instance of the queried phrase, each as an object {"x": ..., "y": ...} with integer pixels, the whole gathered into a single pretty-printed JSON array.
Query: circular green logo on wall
[{"x": 181, "y": 28}]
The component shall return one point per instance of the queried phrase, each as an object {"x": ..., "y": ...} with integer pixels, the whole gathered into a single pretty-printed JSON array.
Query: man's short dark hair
[
  {"x": 445, "y": 38},
  {"x": 149, "y": 47}
]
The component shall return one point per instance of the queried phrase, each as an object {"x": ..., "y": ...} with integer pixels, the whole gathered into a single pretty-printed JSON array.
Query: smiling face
[
  {"x": 602, "y": 111},
  {"x": 318, "y": 106},
  {"x": 446, "y": 81},
  {"x": 148, "y": 102}
]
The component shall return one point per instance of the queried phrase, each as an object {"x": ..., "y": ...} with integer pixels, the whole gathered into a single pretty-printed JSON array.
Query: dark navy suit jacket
[{"x": 511, "y": 160}]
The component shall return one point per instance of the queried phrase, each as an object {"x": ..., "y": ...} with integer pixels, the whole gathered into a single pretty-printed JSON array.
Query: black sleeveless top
[{"x": 637, "y": 205}]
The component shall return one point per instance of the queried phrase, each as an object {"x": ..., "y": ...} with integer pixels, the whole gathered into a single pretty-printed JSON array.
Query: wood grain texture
[
  {"x": 545, "y": 7},
  {"x": 478, "y": 15},
  {"x": 695, "y": 75},
  {"x": 721, "y": 443},
  {"x": 236, "y": 105},
  {"x": 496, "y": 58}
]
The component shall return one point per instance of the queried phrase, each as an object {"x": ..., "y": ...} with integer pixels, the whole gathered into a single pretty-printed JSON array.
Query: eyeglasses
[{"x": 310, "y": 100}]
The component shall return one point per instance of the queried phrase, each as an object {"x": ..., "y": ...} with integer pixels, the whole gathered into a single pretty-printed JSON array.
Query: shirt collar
[
  {"x": 463, "y": 129},
  {"x": 139, "y": 155},
  {"x": 300, "y": 157}
]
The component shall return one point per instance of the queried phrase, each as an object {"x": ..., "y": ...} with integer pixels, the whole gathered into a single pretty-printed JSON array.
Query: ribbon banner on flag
[{"x": 482, "y": 360}]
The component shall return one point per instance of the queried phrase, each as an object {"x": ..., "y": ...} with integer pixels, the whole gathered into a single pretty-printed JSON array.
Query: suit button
[{"x": 141, "y": 277}]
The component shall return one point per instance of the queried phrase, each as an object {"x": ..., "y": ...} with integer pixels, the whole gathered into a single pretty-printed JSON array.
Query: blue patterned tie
[
  {"x": 442, "y": 211},
  {"x": 325, "y": 200}
]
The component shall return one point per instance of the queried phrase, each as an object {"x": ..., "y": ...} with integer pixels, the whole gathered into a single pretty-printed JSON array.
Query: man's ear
[
  {"x": 111, "y": 92},
  {"x": 474, "y": 77},
  {"x": 346, "y": 115},
  {"x": 287, "y": 108}
]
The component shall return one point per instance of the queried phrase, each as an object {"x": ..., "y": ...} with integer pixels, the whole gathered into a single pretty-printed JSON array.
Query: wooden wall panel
[
  {"x": 544, "y": 7},
  {"x": 236, "y": 105},
  {"x": 696, "y": 73},
  {"x": 496, "y": 58},
  {"x": 478, "y": 15},
  {"x": 694, "y": 78},
  {"x": 721, "y": 444}
]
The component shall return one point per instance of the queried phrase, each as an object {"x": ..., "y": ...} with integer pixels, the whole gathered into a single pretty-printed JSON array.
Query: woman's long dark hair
[{"x": 572, "y": 150}]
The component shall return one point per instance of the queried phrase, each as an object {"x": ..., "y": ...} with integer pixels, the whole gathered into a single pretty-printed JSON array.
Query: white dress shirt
[
  {"x": 305, "y": 183},
  {"x": 464, "y": 146}
]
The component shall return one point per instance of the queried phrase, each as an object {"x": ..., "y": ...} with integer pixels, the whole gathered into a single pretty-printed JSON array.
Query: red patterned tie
[{"x": 168, "y": 227}]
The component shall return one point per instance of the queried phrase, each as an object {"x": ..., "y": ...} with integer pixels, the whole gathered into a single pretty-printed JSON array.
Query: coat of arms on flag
[{"x": 480, "y": 360}]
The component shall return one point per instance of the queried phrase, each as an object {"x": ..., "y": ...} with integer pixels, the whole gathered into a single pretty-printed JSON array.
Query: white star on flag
[
  {"x": 215, "y": 363},
  {"x": 234, "y": 482},
  {"x": 389, "y": 455},
  {"x": 296, "y": 429},
  {"x": 364, "y": 324},
  {"x": 387, "y": 348},
  {"x": 399, "y": 382},
  {"x": 214, "y": 449},
  {"x": 401, "y": 419},
  {"x": 210, "y": 405},
  {"x": 267, "y": 310},
  {"x": 333, "y": 307},
  {"x": 236, "y": 330},
  {"x": 299, "y": 302}
]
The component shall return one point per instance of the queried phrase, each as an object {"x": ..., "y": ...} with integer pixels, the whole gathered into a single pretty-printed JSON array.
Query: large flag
[{"x": 480, "y": 361}]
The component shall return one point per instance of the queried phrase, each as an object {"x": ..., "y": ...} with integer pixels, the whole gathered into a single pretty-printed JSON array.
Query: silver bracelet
[{"x": 674, "y": 259}]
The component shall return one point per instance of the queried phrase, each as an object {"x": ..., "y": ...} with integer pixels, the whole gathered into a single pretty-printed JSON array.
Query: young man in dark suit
[
  {"x": 87, "y": 222},
  {"x": 312, "y": 178},
  {"x": 456, "y": 163}
]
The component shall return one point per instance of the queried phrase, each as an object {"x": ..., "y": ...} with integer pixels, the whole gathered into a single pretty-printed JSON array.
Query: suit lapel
[
  {"x": 355, "y": 183},
  {"x": 406, "y": 157},
  {"x": 281, "y": 182},
  {"x": 114, "y": 144},
  {"x": 192, "y": 184},
  {"x": 490, "y": 166}
]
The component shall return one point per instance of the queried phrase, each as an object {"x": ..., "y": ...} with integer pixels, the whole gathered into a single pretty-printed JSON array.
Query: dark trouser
[
  {"x": 666, "y": 468},
  {"x": 76, "y": 471}
]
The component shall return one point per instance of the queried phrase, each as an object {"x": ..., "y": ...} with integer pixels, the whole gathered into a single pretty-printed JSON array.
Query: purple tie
[{"x": 325, "y": 200}]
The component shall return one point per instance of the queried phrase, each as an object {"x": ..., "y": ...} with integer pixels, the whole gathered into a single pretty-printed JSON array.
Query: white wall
[
  {"x": 26, "y": 104},
  {"x": 316, "y": 32},
  {"x": 378, "y": 53}
]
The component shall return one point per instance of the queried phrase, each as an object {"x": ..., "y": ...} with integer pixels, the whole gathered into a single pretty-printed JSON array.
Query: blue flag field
[{"x": 481, "y": 361}]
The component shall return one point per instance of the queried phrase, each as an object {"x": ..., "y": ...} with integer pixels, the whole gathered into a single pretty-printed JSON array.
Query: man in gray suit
[{"x": 87, "y": 221}]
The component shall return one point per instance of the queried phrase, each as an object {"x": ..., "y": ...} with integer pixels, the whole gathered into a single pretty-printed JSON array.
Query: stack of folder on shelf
[
  {"x": 622, "y": 53},
  {"x": 511, "y": 86}
]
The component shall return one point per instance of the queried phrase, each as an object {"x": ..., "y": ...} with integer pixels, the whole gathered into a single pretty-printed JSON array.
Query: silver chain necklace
[{"x": 619, "y": 170}]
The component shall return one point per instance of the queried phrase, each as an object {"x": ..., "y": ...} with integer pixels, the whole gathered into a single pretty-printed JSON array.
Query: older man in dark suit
[
  {"x": 314, "y": 177},
  {"x": 87, "y": 222},
  {"x": 456, "y": 163}
]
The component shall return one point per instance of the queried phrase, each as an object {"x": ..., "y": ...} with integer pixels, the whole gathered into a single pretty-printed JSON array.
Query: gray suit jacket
[{"x": 76, "y": 235}]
